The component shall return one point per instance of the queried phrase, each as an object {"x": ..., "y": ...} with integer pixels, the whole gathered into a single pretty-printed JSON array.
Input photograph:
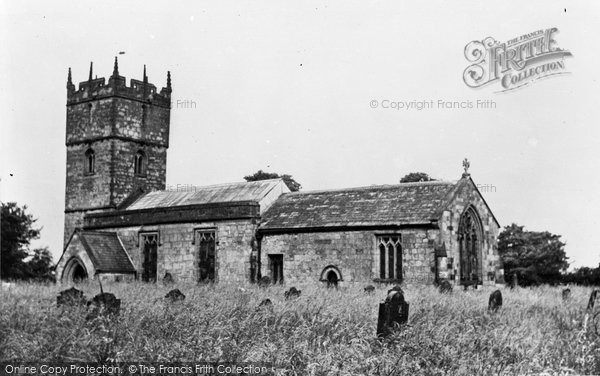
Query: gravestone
[
  {"x": 495, "y": 301},
  {"x": 264, "y": 281},
  {"x": 103, "y": 304},
  {"x": 396, "y": 288},
  {"x": 175, "y": 295},
  {"x": 392, "y": 313},
  {"x": 592, "y": 300},
  {"x": 265, "y": 304},
  {"x": 566, "y": 294},
  {"x": 445, "y": 287},
  {"x": 292, "y": 293},
  {"x": 168, "y": 279},
  {"x": 71, "y": 297},
  {"x": 370, "y": 289}
]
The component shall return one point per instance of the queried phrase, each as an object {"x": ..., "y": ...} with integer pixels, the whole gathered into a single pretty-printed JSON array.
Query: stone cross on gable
[{"x": 466, "y": 164}]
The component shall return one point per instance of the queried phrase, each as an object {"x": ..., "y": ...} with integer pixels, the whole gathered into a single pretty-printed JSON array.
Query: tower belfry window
[
  {"x": 140, "y": 163},
  {"x": 89, "y": 162}
]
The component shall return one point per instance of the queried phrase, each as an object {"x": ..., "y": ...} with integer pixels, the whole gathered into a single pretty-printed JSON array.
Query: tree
[
  {"x": 416, "y": 177},
  {"x": 40, "y": 267},
  {"x": 536, "y": 257},
  {"x": 17, "y": 231},
  {"x": 292, "y": 184},
  {"x": 584, "y": 276}
]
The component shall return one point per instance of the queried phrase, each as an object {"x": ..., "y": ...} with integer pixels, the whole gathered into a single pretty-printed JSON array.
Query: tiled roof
[
  {"x": 212, "y": 194},
  {"x": 106, "y": 252},
  {"x": 395, "y": 205}
]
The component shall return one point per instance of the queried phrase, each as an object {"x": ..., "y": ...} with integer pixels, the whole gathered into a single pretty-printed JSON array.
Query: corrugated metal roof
[
  {"x": 402, "y": 204},
  {"x": 106, "y": 252},
  {"x": 233, "y": 192}
]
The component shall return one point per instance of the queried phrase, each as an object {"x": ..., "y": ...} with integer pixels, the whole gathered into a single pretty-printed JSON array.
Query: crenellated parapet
[
  {"x": 138, "y": 90},
  {"x": 116, "y": 138}
]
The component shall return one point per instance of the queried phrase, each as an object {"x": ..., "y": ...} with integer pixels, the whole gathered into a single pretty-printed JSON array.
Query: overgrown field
[{"x": 324, "y": 332}]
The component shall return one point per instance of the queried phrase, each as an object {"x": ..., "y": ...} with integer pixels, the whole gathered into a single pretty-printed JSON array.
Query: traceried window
[
  {"x": 140, "y": 163},
  {"x": 469, "y": 240},
  {"x": 149, "y": 246},
  {"x": 89, "y": 167},
  {"x": 390, "y": 257}
]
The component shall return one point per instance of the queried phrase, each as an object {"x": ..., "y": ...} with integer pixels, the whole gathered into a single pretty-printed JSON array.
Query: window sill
[{"x": 387, "y": 280}]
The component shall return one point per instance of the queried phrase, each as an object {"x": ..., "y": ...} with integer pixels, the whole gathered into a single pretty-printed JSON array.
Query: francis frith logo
[{"x": 515, "y": 63}]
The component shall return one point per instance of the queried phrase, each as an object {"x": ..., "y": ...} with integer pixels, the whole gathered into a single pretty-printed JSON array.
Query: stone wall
[
  {"x": 354, "y": 253},
  {"x": 179, "y": 256},
  {"x": 75, "y": 219},
  {"x": 467, "y": 196},
  {"x": 116, "y": 277},
  {"x": 125, "y": 181},
  {"x": 84, "y": 191},
  {"x": 114, "y": 116}
]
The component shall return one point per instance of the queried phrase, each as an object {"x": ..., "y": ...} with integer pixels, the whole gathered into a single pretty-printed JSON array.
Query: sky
[{"x": 305, "y": 88}]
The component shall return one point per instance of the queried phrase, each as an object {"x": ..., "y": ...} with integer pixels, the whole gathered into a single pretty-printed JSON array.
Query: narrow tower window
[
  {"x": 90, "y": 162},
  {"x": 140, "y": 163}
]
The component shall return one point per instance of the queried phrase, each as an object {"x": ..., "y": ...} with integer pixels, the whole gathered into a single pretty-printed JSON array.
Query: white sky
[{"x": 286, "y": 87}]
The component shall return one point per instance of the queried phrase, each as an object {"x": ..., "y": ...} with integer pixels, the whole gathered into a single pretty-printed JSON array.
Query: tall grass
[{"x": 324, "y": 332}]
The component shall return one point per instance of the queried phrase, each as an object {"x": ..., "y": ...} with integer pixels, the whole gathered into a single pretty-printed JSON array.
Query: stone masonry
[
  {"x": 115, "y": 121},
  {"x": 178, "y": 250}
]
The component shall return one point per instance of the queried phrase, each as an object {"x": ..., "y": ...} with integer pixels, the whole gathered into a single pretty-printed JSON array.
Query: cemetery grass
[{"x": 323, "y": 332}]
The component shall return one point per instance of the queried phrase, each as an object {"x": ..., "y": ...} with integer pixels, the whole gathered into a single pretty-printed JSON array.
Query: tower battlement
[
  {"x": 138, "y": 90},
  {"x": 117, "y": 138}
]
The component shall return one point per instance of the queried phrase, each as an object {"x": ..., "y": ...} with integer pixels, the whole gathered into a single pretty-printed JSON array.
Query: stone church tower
[{"x": 117, "y": 139}]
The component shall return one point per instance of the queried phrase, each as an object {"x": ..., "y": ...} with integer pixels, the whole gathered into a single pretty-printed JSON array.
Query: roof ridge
[
  {"x": 213, "y": 185},
  {"x": 84, "y": 231},
  {"x": 376, "y": 186}
]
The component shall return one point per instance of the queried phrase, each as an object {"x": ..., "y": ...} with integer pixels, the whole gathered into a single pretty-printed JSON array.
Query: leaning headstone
[
  {"x": 445, "y": 287},
  {"x": 495, "y": 301},
  {"x": 370, "y": 289},
  {"x": 566, "y": 294},
  {"x": 175, "y": 295},
  {"x": 168, "y": 278},
  {"x": 592, "y": 300},
  {"x": 265, "y": 304},
  {"x": 292, "y": 293},
  {"x": 392, "y": 313},
  {"x": 71, "y": 297},
  {"x": 264, "y": 281},
  {"x": 103, "y": 304}
]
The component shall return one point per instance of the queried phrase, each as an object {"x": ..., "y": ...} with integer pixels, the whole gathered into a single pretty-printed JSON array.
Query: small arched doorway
[
  {"x": 331, "y": 275},
  {"x": 75, "y": 271},
  {"x": 332, "y": 279}
]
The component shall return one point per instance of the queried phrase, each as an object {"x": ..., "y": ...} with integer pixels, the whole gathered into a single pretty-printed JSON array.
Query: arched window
[
  {"x": 331, "y": 275},
  {"x": 89, "y": 162},
  {"x": 469, "y": 240},
  {"x": 140, "y": 163}
]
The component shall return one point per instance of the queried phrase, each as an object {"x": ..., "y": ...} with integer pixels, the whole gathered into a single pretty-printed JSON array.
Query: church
[{"x": 121, "y": 224}]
